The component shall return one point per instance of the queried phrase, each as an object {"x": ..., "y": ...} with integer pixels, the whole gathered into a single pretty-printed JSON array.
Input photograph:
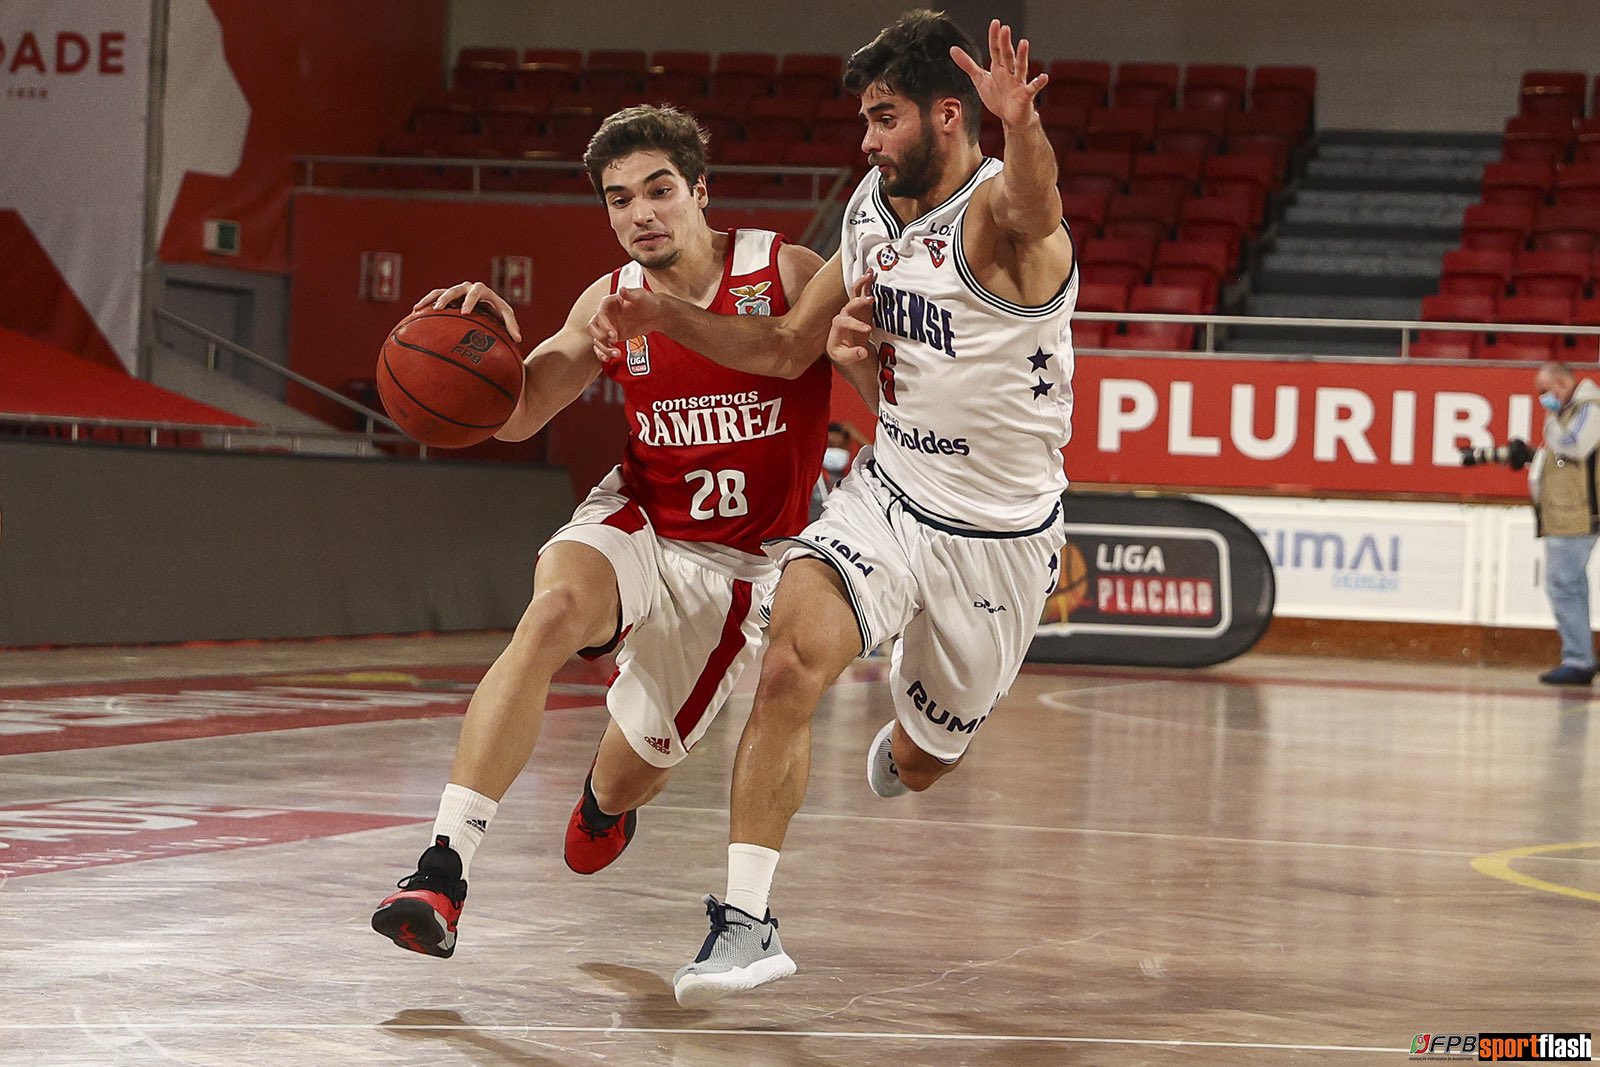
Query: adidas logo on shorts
[{"x": 660, "y": 744}]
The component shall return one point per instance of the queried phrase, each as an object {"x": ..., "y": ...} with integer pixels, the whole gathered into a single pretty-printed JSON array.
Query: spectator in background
[
  {"x": 843, "y": 443},
  {"x": 1564, "y": 481}
]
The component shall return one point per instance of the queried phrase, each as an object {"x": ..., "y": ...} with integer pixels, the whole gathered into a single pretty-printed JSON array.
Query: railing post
[
  {"x": 1211, "y": 337},
  {"x": 1405, "y": 343},
  {"x": 211, "y": 355}
]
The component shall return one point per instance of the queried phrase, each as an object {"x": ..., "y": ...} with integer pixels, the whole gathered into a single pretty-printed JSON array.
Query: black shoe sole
[{"x": 413, "y": 926}]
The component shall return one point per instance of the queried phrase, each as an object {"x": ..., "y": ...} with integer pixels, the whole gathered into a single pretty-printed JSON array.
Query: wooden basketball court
[{"x": 1279, "y": 861}]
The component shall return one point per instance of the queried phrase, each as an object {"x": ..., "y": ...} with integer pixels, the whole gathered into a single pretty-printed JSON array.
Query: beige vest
[{"x": 1569, "y": 492}]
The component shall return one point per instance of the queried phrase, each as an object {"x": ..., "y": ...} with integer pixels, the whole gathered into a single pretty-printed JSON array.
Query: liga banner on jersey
[
  {"x": 1299, "y": 427},
  {"x": 1154, "y": 582},
  {"x": 73, "y": 90}
]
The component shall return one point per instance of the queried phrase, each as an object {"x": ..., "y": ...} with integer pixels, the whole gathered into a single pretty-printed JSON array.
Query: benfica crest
[{"x": 752, "y": 299}]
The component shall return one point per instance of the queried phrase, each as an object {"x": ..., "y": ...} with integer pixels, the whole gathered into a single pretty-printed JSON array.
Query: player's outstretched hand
[
  {"x": 1004, "y": 88},
  {"x": 848, "y": 335},
  {"x": 624, "y": 314},
  {"x": 468, "y": 294}
]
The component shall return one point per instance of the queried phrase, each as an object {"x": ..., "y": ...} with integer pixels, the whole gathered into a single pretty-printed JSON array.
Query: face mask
[
  {"x": 835, "y": 460},
  {"x": 1550, "y": 402}
]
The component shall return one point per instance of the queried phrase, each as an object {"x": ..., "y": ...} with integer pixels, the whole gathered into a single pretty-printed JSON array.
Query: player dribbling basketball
[{"x": 663, "y": 561}]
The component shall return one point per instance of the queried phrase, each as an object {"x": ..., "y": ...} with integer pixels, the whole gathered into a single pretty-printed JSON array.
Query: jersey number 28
[{"x": 727, "y": 485}]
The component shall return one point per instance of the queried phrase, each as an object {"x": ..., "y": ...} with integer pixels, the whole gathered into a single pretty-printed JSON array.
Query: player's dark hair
[
  {"x": 643, "y": 128},
  {"x": 912, "y": 58}
]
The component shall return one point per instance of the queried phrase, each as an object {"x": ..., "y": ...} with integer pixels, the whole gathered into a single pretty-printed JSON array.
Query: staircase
[{"x": 1362, "y": 237}]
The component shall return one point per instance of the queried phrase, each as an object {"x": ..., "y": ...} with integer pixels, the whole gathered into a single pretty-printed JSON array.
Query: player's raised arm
[
  {"x": 1023, "y": 201},
  {"x": 558, "y": 370},
  {"x": 781, "y": 346}
]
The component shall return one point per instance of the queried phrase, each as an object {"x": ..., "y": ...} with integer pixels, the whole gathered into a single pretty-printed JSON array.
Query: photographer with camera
[{"x": 1564, "y": 481}]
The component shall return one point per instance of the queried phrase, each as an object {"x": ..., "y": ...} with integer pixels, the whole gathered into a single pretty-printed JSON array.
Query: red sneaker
[
  {"x": 422, "y": 916},
  {"x": 589, "y": 850}
]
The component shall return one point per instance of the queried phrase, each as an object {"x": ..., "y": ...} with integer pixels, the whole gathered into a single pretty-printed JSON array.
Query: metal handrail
[
  {"x": 365, "y": 442},
  {"x": 1405, "y": 326},
  {"x": 840, "y": 175},
  {"x": 215, "y": 341}
]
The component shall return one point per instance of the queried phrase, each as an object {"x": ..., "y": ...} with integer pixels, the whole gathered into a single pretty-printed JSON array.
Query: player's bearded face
[{"x": 915, "y": 170}]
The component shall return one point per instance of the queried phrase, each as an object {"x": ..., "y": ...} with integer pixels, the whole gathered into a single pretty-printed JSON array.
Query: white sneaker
[
  {"x": 882, "y": 775},
  {"x": 740, "y": 953}
]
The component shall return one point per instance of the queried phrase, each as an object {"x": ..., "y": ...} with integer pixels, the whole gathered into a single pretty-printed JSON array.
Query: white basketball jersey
[{"x": 975, "y": 391}]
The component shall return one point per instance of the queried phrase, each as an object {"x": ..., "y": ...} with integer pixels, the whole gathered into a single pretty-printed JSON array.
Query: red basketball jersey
[{"x": 715, "y": 454}]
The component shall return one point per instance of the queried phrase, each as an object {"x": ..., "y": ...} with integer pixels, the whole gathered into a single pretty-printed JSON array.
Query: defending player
[
  {"x": 662, "y": 561},
  {"x": 962, "y": 283}
]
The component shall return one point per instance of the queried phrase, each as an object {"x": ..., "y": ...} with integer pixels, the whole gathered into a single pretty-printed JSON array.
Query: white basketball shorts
[
  {"x": 964, "y": 605},
  {"x": 691, "y": 623}
]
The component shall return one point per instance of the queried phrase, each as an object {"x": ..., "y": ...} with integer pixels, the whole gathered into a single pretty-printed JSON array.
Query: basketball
[
  {"x": 1072, "y": 588},
  {"x": 449, "y": 379}
]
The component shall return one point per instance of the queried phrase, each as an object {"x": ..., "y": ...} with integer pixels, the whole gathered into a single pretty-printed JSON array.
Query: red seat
[
  {"x": 1503, "y": 226},
  {"x": 480, "y": 70},
  {"x": 1517, "y": 181},
  {"x": 1198, "y": 265},
  {"x": 839, "y": 120},
  {"x": 1085, "y": 214},
  {"x": 723, "y": 117},
  {"x": 547, "y": 78},
  {"x": 1534, "y": 310},
  {"x": 1248, "y": 178},
  {"x": 742, "y": 184},
  {"x": 1475, "y": 272},
  {"x": 1214, "y": 87},
  {"x": 1086, "y": 334},
  {"x": 812, "y": 75},
  {"x": 1446, "y": 346},
  {"x": 1543, "y": 138},
  {"x": 1586, "y": 312},
  {"x": 1553, "y": 92},
  {"x": 1102, "y": 296},
  {"x": 1522, "y": 347},
  {"x": 567, "y": 57},
  {"x": 436, "y": 121},
  {"x": 746, "y": 74},
  {"x": 1146, "y": 85},
  {"x": 1117, "y": 260},
  {"x": 1567, "y": 228},
  {"x": 505, "y": 123},
  {"x": 1168, "y": 173},
  {"x": 780, "y": 118},
  {"x": 614, "y": 71},
  {"x": 1120, "y": 129},
  {"x": 1447, "y": 307},
  {"x": 688, "y": 62},
  {"x": 1190, "y": 133},
  {"x": 1064, "y": 119},
  {"x": 1087, "y": 80},
  {"x": 1550, "y": 274},
  {"x": 673, "y": 86},
  {"x": 1586, "y": 149},
  {"x": 1578, "y": 183},
  {"x": 1147, "y": 215},
  {"x": 1096, "y": 172},
  {"x": 1290, "y": 91},
  {"x": 1161, "y": 336},
  {"x": 1216, "y": 218},
  {"x": 1263, "y": 133}
]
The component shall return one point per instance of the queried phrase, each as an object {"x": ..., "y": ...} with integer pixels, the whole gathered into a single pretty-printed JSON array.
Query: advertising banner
[
  {"x": 1297, "y": 427},
  {"x": 74, "y": 78},
  {"x": 1154, "y": 581}
]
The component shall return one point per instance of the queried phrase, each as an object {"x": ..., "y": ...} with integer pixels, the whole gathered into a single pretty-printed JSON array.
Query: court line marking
[
  {"x": 1199, "y": 677},
  {"x": 1498, "y": 865},
  {"x": 857, "y": 1035}
]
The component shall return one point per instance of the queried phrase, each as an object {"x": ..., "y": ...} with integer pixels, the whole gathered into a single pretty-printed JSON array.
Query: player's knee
[
  {"x": 554, "y": 626},
  {"x": 786, "y": 667}
]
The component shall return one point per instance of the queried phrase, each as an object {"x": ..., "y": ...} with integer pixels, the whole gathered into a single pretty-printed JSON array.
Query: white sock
[
  {"x": 463, "y": 818},
  {"x": 750, "y": 870}
]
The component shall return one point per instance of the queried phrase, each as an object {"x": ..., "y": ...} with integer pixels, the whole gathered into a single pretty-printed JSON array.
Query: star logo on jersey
[
  {"x": 638, "y": 356},
  {"x": 935, "y": 250},
  {"x": 887, "y": 257},
  {"x": 752, "y": 299},
  {"x": 1039, "y": 359},
  {"x": 1043, "y": 388}
]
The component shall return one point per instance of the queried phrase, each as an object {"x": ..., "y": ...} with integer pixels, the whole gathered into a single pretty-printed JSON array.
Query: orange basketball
[
  {"x": 448, "y": 379},
  {"x": 1072, "y": 587}
]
